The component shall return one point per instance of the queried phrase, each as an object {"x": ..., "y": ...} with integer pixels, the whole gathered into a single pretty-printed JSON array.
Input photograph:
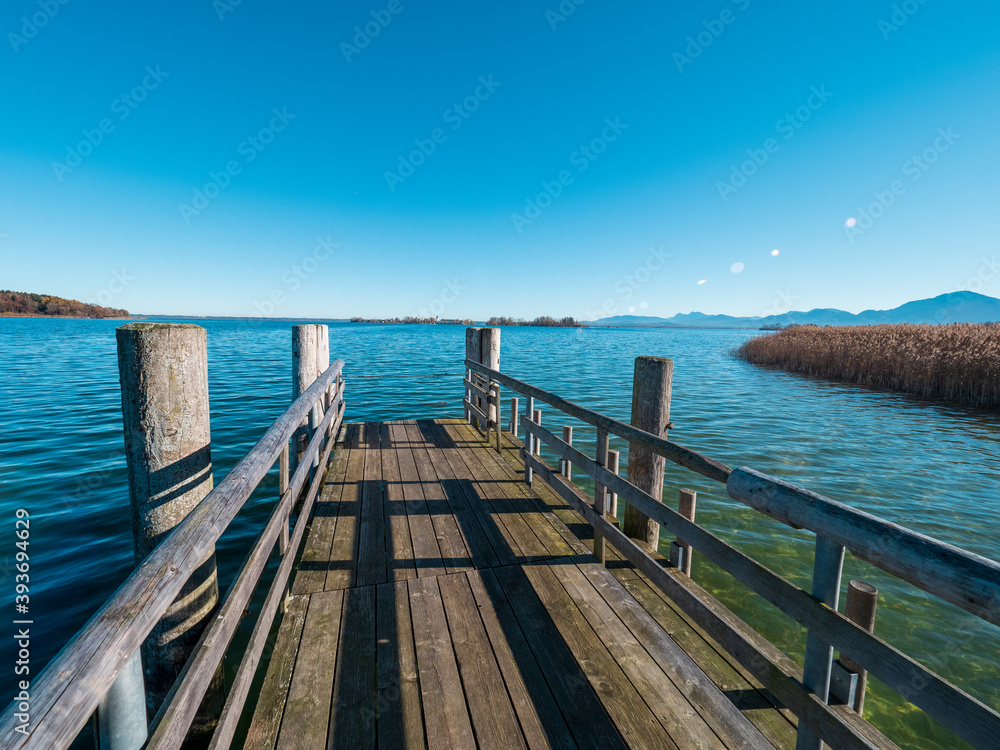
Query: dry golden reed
[{"x": 958, "y": 363}]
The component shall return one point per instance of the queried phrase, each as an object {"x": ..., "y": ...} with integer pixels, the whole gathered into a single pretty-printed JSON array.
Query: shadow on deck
[{"x": 440, "y": 602}]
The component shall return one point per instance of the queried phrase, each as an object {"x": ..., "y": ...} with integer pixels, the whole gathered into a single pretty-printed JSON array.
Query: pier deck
[{"x": 441, "y": 602}]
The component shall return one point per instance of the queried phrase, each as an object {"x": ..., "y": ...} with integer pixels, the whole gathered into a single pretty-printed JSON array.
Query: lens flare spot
[
  {"x": 852, "y": 222},
  {"x": 775, "y": 252},
  {"x": 737, "y": 268},
  {"x": 643, "y": 305},
  {"x": 703, "y": 281},
  {"x": 631, "y": 309}
]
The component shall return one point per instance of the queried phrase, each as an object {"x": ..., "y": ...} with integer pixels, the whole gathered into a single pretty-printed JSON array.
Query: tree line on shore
[
  {"x": 544, "y": 321},
  {"x": 24, "y": 303}
]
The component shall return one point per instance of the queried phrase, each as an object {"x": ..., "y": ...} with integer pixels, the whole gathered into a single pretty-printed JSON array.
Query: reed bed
[{"x": 958, "y": 363}]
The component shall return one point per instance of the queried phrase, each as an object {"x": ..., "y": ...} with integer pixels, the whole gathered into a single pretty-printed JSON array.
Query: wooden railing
[
  {"x": 962, "y": 578},
  {"x": 67, "y": 693}
]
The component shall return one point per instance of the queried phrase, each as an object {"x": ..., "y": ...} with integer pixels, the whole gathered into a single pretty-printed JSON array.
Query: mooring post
[
  {"x": 565, "y": 466},
  {"x": 489, "y": 355},
  {"x": 862, "y": 600},
  {"x": 165, "y": 412},
  {"x": 513, "y": 417},
  {"x": 650, "y": 412},
  {"x": 473, "y": 353},
  {"x": 613, "y": 496},
  {"x": 828, "y": 566},
  {"x": 304, "y": 360},
  {"x": 680, "y": 551}
]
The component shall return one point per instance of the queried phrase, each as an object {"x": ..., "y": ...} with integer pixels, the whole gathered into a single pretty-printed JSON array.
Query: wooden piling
[
  {"x": 565, "y": 466},
  {"x": 651, "y": 413},
  {"x": 163, "y": 370},
  {"x": 304, "y": 359},
  {"x": 613, "y": 496},
  {"x": 862, "y": 600},
  {"x": 489, "y": 355}
]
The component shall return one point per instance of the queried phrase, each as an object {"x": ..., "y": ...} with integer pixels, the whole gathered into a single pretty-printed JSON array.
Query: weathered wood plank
[
  {"x": 343, "y": 555},
  {"x": 587, "y": 720},
  {"x": 446, "y": 715},
  {"x": 541, "y": 721},
  {"x": 676, "y": 715},
  {"x": 307, "y": 712},
  {"x": 372, "y": 563},
  {"x": 398, "y": 543},
  {"x": 354, "y": 713},
  {"x": 427, "y": 557},
  {"x": 454, "y": 552},
  {"x": 400, "y": 719},
  {"x": 310, "y": 573},
  {"x": 708, "y": 702},
  {"x": 630, "y": 713},
  {"x": 489, "y": 705},
  {"x": 263, "y": 732},
  {"x": 478, "y": 542}
]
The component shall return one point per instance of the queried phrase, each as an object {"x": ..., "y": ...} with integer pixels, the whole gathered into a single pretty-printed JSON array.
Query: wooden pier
[
  {"x": 440, "y": 584},
  {"x": 440, "y": 602}
]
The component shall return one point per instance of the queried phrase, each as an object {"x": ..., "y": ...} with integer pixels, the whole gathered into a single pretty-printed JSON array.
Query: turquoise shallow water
[{"x": 933, "y": 468}]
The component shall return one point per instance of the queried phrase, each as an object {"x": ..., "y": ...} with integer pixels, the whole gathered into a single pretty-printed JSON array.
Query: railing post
[
  {"x": 304, "y": 361},
  {"x": 862, "y": 600},
  {"x": 513, "y": 417},
  {"x": 282, "y": 488},
  {"x": 565, "y": 466},
  {"x": 613, "y": 496},
  {"x": 680, "y": 551},
  {"x": 600, "y": 494},
  {"x": 165, "y": 413},
  {"x": 536, "y": 417},
  {"x": 827, "y": 568},
  {"x": 499, "y": 430},
  {"x": 121, "y": 716},
  {"x": 529, "y": 444},
  {"x": 650, "y": 412}
]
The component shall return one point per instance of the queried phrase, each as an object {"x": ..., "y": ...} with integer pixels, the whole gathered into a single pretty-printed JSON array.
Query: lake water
[{"x": 933, "y": 468}]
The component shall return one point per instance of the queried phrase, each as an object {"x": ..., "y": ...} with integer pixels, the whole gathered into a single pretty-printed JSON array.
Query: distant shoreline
[{"x": 66, "y": 317}]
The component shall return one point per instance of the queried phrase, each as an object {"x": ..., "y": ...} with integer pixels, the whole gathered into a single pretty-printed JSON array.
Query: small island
[{"x": 29, "y": 305}]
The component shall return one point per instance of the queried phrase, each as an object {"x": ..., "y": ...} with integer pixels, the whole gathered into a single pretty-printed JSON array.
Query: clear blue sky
[{"x": 444, "y": 237}]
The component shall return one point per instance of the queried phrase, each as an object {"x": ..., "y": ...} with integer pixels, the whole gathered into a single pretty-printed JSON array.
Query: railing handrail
[
  {"x": 685, "y": 457},
  {"x": 785, "y": 502},
  {"x": 69, "y": 689}
]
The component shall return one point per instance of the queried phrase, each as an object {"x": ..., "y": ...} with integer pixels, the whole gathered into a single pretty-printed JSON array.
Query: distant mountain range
[{"x": 956, "y": 307}]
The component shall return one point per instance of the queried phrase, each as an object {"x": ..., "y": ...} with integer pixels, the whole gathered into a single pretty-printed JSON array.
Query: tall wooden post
[
  {"x": 322, "y": 358},
  {"x": 304, "y": 359},
  {"x": 862, "y": 599},
  {"x": 164, "y": 384},
  {"x": 650, "y": 412},
  {"x": 489, "y": 355}
]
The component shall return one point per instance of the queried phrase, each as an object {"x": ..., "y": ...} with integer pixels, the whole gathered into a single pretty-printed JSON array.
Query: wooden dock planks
[{"x": 460, "y": 611}]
